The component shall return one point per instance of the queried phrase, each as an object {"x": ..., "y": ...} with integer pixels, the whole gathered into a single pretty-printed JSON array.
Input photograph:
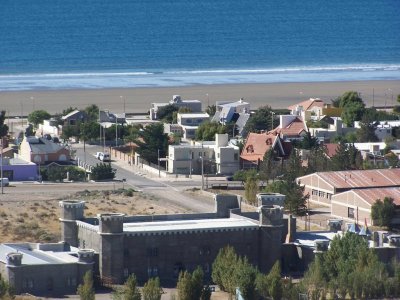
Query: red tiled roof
[
  {"x": 295, "y": 128},
  {"x": 371, "y": 195},
  {"x": 257, "y": 144},
  {"x": 308, "y": 104},
  {"x": 362, "y": 178},
  {"x": 331, "y": 149}
]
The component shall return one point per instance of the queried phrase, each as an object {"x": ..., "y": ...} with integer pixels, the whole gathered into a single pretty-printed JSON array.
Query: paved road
[{"x": 170, "y": 190}]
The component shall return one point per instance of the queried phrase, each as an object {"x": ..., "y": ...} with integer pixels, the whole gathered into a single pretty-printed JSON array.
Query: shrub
[{"x": 103, "y": 171}]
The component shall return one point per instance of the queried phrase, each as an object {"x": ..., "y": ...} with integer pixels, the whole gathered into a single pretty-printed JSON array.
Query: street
[{"x": 164, "y": 189}]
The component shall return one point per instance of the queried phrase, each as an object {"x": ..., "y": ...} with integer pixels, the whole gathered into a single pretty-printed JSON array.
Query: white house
[
  {"x": 208, "y": 157},
  {"x": 190, "y": 122},
  {"x": 193, "y": 105}
]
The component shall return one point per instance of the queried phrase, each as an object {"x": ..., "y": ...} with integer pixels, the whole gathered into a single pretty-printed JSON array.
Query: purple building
[{"x": 17, "y": 169}]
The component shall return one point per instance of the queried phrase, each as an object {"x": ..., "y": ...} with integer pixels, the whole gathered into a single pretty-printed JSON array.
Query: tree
[
  {"x": 245, "y": 278},
  {"x": 165, "y": 113},
  {"x": 269, "y": 166},
  {"x": 130, "y": 290},
  {"x": 382, "y": 212},
  {"x": 366, "y": 133},
  {"x": 211, "y": 110},
  {"x": 3, "y": 127},
  {"x": 251, "y": 187},
  {"x": 347, "y": 157},
  {"x": 36, "y": 117},
  {"x": 223, "y": 269},
  {"x": 207, "y": 130},
  {"x": 318, "y": 160},
  {"x": 152, "y": 289},
  {"x": 92, "y": 113},
  {"x": 69, "y": 131},
  {"x": 86, "y": 290},
  {"x": 353, "y": 107},
  {"x": 270, "y": 285},
  {"x": 152, "y": 142},
  {"x": 263, "y": 119},
  {"x": 308, "y": 142},
  {"x": 295, "y": 200},
  {"x": 103, "y": 171},
  {"x": 190, "y": 285}
]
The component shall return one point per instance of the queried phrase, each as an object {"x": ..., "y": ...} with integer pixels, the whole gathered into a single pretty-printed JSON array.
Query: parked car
[
  {"x": 98, "y": 154},
  {"x": 104, "y": 157}
]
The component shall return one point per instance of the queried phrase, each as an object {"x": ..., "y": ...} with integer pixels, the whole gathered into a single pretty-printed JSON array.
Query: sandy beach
[{"x": 277, "y": 95}]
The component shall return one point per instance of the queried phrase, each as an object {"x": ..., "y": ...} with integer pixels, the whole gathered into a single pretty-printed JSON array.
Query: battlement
[
  {"x": 14, "y": 259},
  {"x": 86, "y": 255},
  {"x": 72, "y": 204},
  {"x": 271, "y": 216},
  {"x": 111, "y": 222}
]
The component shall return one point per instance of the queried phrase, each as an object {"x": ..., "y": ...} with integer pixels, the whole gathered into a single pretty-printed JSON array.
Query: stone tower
[
  {"x": 111, "y": 247},
  {"x": 71, "y": 211},
  {"x": 272, "y": 236}
]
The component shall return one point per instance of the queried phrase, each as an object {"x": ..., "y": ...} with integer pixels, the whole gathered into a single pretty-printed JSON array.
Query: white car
[
  {"x": 98, "y": 154},
  {"x": 104, "y": 157}
]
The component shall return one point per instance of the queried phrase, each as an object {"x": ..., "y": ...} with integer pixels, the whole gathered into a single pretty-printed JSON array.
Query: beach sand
[{"x": 277, "y": 95}]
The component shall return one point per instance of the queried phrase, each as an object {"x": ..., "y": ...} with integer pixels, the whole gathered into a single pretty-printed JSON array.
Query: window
[
  {"x": 192, "y": 155},
  {"x": 350, "y": 213},
  {"x": 152, "y": 252},
  {"x": 235, "y": 156},
  {"x": 126, "y": 272}
]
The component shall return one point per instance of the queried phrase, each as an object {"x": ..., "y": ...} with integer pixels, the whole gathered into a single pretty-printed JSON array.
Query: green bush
[{"x": 103, "y": 171}]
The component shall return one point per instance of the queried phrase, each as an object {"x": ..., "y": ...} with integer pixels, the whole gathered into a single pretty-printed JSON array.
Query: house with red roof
[
  {"x": 257, "y": 144},
  {"x": 314, "y": 105},
  {"x": 291, "y": 127}
]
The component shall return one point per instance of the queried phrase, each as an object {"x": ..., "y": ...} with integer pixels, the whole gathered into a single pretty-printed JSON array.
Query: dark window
[{"x": 350, "y": 213}]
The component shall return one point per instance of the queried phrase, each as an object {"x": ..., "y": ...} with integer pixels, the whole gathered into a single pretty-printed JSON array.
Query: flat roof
[
  {"x": 181, "y": 225},
  {"x": 33, "y": 256}
]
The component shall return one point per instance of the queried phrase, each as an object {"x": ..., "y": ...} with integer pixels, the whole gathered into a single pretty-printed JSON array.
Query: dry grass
[{"x": 36, "y": 219}]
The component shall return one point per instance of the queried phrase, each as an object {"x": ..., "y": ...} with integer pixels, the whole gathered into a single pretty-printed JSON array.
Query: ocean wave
[{"x": 175, "y": 78}]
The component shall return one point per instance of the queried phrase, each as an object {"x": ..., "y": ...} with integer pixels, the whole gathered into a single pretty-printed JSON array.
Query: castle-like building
[
  {"x": 163, "y": 245},
  {"x": 114, "y": 246}
]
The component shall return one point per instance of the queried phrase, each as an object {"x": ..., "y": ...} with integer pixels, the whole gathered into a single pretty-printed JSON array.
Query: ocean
[{"x": 54, "y": 44}]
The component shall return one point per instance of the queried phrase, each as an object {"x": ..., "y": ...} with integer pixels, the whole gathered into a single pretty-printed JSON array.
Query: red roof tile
[
  {"x": 257, "y": 144},
  {"x": 362, "y": 178},
  {"x": 295, "y": 128},
  {"x": 371, "y": 195},
  {"x": 331, "y": 149},
  {"x": 308, "y": 104}
]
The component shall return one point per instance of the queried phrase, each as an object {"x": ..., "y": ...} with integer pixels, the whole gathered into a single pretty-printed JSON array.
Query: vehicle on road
[
  {"x": 98, "y": 154},
  {"x": 104, "y": 157}
]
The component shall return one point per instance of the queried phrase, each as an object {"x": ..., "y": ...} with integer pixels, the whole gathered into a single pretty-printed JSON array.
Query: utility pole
[
  {"x": 272, "y": 120},
  {"x": 202, "y": 172},
  {"x": 1, "y": 167},
  {"x": 158, "y": 161},
  {"x": 116, "y": 132}
]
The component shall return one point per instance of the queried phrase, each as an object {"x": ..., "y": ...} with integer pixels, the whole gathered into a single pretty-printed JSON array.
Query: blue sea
[{"x": 54, "y": 44}]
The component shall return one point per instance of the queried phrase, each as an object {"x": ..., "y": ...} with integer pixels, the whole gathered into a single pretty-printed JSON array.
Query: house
[
  {"x": 322, "y": 186},
  {"x": 355, "y": 205},
  {"x": 193, "y": 105},
  {"x": 53, "y": 269},
  {"x": 18, "y": 169},
  {"x": 106, "y": 116},
  {"x": 233, "y": 112},
  {"x": 291, "y": 127},
  {"x": 163, "y": 245},
  {"x": 313, "y": 105},
  {"x": 74, "y": 117},
  {"x": 190, "y": 122},
  {"x": 49, "y": 127},
  {"x": 334, "y": 128},
  {"x": 257, "y": 144},
  {"x": 204, "y": 157},
  {"x": 42, "y": 151}
]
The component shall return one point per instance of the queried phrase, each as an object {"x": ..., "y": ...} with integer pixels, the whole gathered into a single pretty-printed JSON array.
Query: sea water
[{"x": 54, "y": 44}]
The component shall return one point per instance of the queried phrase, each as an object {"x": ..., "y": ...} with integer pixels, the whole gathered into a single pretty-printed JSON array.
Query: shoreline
[{"x": 277, "y": 95}]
